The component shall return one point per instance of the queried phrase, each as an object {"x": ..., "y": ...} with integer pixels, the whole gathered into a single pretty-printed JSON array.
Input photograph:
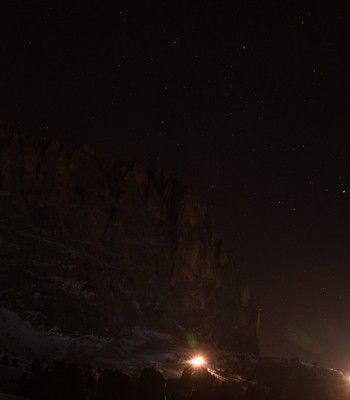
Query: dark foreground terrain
[{"x": 254, "y": 379}]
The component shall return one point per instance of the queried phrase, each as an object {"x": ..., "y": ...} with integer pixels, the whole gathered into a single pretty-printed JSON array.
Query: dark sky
[{"x": 245, "y": 101}]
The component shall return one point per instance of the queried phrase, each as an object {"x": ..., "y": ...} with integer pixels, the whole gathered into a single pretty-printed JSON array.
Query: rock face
[{"x": 91, "y": 244}]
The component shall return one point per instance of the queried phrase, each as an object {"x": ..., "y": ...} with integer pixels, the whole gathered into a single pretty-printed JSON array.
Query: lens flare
[{"x": 197, "y": 361}]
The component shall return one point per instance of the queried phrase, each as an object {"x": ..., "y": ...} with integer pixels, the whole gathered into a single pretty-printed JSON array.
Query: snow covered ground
[
  {"x": 135, "y": 350},
  {"x": 132, "y": 352}
]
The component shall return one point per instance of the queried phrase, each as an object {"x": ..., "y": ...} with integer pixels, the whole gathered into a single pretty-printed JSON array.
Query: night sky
[{"x": 245, "y": 101}]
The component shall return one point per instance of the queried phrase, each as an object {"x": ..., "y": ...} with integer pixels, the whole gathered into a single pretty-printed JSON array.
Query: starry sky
[{"x": 246, "y": 102}]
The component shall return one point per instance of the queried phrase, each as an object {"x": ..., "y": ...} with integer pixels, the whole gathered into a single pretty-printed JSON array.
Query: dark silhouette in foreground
[{"x": 267, "y": 379}]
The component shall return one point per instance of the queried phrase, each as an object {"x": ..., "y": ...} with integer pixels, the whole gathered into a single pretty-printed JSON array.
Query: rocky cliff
[{"x": 91, "y": 244}]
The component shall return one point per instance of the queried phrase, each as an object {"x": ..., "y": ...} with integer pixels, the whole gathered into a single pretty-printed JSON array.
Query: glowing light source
[{"x": 197, "y": 361}]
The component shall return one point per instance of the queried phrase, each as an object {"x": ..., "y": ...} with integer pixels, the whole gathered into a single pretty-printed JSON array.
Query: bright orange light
[{"x": 197, "y": 361}]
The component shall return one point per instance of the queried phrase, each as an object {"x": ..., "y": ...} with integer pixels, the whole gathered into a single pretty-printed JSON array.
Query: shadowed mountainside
[{"x": 88, "y": 243}]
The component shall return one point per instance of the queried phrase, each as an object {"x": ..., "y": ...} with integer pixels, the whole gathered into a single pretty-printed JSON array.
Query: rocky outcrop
[{"x": 89, "y": 243}]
